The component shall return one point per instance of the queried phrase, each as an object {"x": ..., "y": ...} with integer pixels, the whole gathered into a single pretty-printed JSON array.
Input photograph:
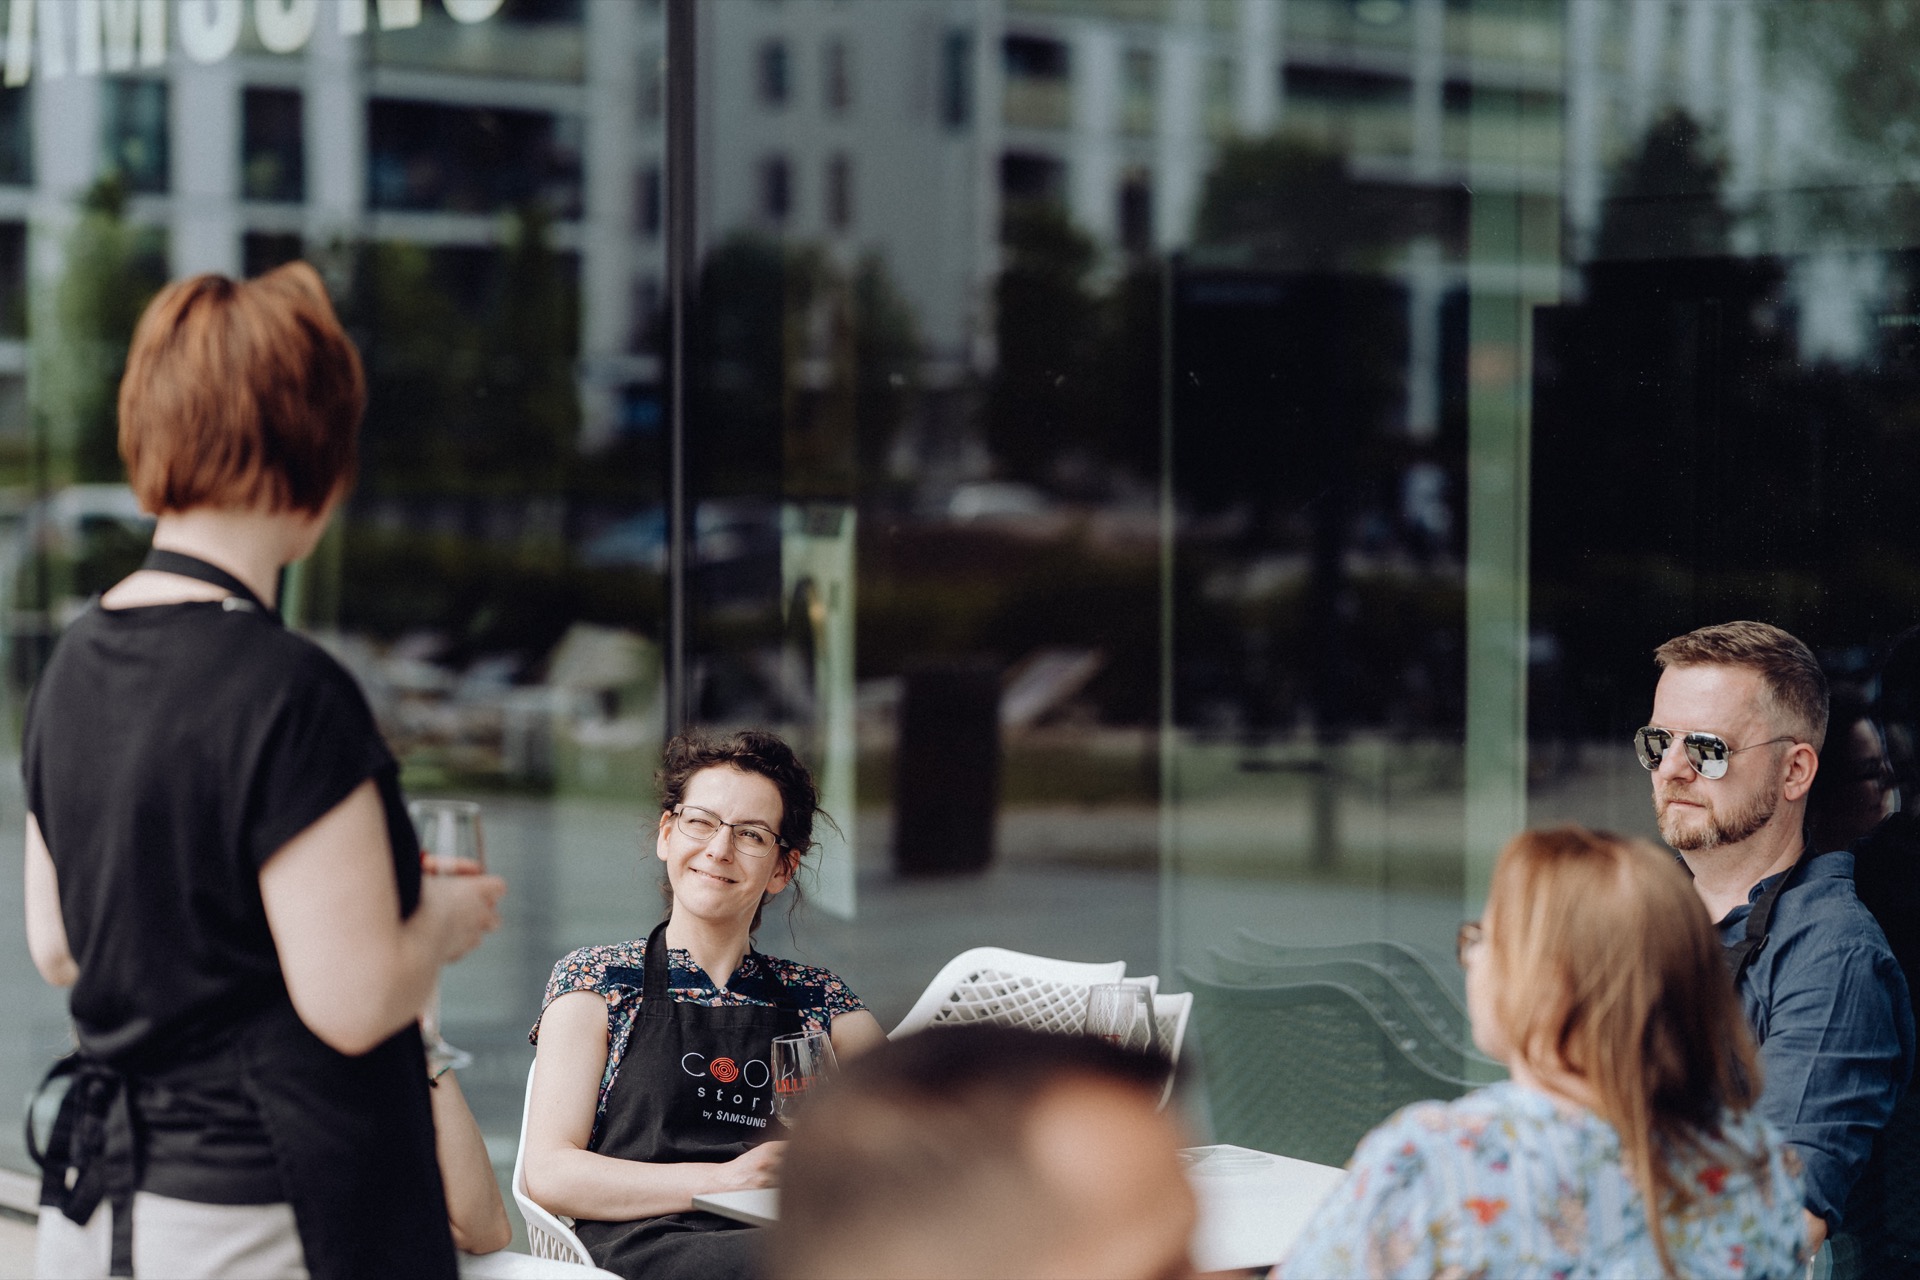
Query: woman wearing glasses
[
  {"x": 653, "y": 1077},
  {"x": 1625, "y": 1143}
]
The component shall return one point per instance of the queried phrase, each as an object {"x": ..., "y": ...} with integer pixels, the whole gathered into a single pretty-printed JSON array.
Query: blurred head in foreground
[{"x": 983, "y": 1151}]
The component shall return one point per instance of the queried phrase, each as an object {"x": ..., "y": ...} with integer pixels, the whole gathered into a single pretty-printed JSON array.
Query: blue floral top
[
  {"x": 615, "y": 972},
  {"x": 1506, "y": 1182}
]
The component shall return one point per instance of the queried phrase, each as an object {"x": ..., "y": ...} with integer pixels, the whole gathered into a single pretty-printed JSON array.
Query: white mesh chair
[
  {"x": 991, "y": 984},
  {"x": 1170, "y": 1014},
  {"x": 549, "y": 1235}
]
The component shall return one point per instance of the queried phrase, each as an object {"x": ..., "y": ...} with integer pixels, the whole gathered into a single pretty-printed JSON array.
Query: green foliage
[
  {"x": 470, "y": 364},
  {"x": 112, "y": 270},
  {"x": 800, "y": 365},
  {"x": 1047, "y": 321},
  {"x": 1077, "y": 387},
  {"x": 485, "y": 598},
  {"x": 1283, "y": 203},
  {"x": 1666, "y": 199}
]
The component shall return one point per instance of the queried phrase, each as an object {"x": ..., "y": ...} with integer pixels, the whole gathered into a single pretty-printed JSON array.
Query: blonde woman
[{"x": 1625, "y": 1143}]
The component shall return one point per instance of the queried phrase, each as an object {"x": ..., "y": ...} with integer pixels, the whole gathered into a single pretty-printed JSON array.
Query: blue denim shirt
[{"x": 1828, "y": 1005}]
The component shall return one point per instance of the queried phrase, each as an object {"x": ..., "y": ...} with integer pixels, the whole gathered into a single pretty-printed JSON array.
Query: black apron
[
  {"x": 694, "y": 1085},
  {"x": 352, "y": 1137}
]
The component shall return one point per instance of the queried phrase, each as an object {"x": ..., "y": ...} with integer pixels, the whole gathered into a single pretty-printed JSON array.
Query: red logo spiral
[{"x": 724, "y": 1071}]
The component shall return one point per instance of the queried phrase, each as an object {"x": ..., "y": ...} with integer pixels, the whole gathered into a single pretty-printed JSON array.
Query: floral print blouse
[
  {"x": 615, "y": 971},
  {"x": 1506, "y": 1182}
]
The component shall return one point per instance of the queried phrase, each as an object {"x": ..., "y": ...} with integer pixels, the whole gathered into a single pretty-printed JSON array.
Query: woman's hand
[
  {"x": 759, "y": 1167},
  {"x": 356, "y": 970},
  {"x": 458, "y": 911}
]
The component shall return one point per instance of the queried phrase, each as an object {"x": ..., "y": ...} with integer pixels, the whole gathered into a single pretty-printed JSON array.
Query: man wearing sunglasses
[{"x": 1738, "y": 719}]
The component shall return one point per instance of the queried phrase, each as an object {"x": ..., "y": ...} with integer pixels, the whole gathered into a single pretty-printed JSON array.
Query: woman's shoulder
[
  {"x": 814, "y": 986},
  {"x": 595, "y": 968}
]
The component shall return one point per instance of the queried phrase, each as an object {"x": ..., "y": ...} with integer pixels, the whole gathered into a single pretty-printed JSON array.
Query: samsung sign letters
[{"x": 91, "y": 36}]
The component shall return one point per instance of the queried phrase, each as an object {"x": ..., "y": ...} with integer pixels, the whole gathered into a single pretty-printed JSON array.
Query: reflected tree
[
  {"x": 1047, "y": 328},
  {"x": 111, "y": 270},
  {"x": 1667, "y": 199}
]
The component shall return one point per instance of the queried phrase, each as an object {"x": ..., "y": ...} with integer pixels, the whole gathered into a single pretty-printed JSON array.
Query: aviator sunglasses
[{"x": 1707, "y": 752}]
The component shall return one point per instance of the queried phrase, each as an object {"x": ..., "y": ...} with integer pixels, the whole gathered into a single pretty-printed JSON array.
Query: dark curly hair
[{"x": 750, "y": 751}]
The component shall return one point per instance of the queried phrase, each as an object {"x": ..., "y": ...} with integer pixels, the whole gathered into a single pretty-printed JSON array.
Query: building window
[
  {"x": 840, "y": 193},
  {"x": 1036, "y": 58},
  {"x": 1135, "y": 213},
  {"x": 838, "y": 76},
  {"x": 1039, "y": 89},
  {"x": 648, "y": 209},
  {"x": 273, "y": 146},
  {"x": 1222, "y": 101},
  {"x": 643, "y": 335},
  {"x": 454, "y": 159},
  {"x": 775, "y": 74},
  {"x": 262, "y": 251},
  {"x": 13, "y": 282},
  {"x": 956, "y": 79},
  {"x": 1139, "y": 73},
  {"x": 1028, "y": 176},
  {"x": 776, "y": 188},
  {"x": 133, "y": 132},
  {"x": 653, "y": 84}
]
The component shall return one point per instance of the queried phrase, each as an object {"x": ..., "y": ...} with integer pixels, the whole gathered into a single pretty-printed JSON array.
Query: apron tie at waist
[{"x": 93, "y": 1153}]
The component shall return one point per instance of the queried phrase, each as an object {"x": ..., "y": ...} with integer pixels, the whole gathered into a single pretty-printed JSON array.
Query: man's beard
[{"x": 1717, "y": 830}]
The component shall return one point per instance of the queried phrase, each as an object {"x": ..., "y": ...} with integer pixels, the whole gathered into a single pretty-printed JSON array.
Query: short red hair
[{"x": 241, "y": 394}]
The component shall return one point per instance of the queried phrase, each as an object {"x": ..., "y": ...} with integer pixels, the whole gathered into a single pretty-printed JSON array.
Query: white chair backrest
[
  {"x": 992, "y": 984},
  {"x": 1170, "y": 1014},
  {"x": 549, "y": 1235}
]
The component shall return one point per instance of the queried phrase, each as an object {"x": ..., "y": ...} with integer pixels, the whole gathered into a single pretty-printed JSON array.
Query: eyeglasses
[
  {"x": 750, "y": 838},
  {"x": 1706, "y": 752},
  {"x": 1471, "y": 935}
]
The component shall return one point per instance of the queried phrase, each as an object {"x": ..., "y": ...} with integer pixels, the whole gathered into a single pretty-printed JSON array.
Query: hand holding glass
[
  {"x": 450, "y": 845},
  {"x": 800, "y": 1061},
  {"x": 1121, "y": 1013}
]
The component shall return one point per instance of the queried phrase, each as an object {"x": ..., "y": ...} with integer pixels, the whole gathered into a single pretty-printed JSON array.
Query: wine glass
[
  {"x": 800, "y": 1061},
  {"x": 1121, "y": 1013},
  {"x": 450, "y": 845}
]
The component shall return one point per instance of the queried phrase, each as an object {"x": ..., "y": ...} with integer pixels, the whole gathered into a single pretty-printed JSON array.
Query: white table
[{"x": 1252, "y": 1204}]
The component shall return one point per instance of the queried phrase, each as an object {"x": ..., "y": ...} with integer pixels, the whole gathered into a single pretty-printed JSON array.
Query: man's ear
[{"x": 1801, "y": 764}]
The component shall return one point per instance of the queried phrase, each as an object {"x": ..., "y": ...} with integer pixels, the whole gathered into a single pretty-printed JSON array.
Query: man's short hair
[
  {"x": 239, "y": 394},
  {"x": 1786, "y": 667},
  {"x": 922, "y": 1147}
]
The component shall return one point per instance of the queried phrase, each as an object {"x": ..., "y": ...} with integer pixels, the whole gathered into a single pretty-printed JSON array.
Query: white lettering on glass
[
  {"x": 395, "y": 14},
  {"x": 53, "y": 39},
  {"x": 88, "y": 37},
  {"x": 19, "y": 42},
  {"x": 472, "y": 10},
  {"x": 285, "y": 25},
  {"x": 110, "y": 28},
  {"x": 209, "y": 29}
]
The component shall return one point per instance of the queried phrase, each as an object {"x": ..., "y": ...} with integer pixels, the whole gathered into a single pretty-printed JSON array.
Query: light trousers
[{"x": 177, "y": 1240}]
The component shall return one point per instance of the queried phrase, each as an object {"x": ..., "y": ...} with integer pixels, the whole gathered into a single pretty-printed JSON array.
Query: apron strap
[
  {"x": 654, "y": 989},
  {"x": 1760, "y": 919},
  {"x": 93, "y": 1152},
  {"x": 186, "y": 566}
]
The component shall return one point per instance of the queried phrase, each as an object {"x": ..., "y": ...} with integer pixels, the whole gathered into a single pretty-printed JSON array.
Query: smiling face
[
  {"x": 717, "y": 881},
  {"x": 1697, "y": 813}
]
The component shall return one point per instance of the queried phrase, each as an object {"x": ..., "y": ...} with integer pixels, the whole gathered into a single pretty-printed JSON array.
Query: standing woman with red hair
[
  {"x": 219, "y": 862},
  {"x": 1625, "y": 1143}
]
